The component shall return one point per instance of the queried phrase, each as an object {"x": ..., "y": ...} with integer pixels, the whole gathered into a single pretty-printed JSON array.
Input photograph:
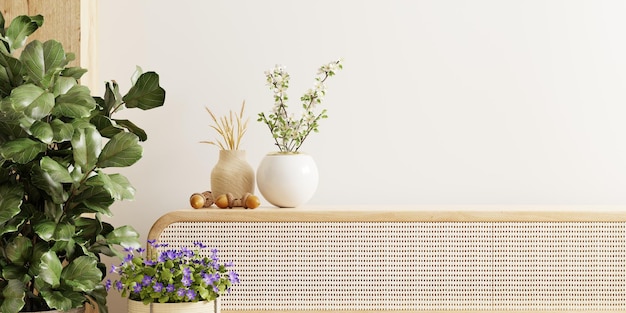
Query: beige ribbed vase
[{"x": 233, "y": 174}]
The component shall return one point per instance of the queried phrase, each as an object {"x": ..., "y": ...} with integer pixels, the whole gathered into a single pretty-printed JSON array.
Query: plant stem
[
  {"x": 309, "y": 129},
  {"x": 116, "y": 108},
  {"x": 307, "y": 108}
]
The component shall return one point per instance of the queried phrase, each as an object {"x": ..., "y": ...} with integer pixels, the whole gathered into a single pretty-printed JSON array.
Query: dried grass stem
[{"x": 230, "y": 128}]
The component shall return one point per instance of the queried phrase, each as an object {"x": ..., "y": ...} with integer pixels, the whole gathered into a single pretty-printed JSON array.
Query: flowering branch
[{"x": 289, "y": 133}]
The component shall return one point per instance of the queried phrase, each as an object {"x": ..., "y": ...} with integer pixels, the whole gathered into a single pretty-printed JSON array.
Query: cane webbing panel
[{"x": 418, "y": 266}]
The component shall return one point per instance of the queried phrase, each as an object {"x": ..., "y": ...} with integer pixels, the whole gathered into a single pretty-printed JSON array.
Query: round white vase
[{"x": 287, "y": 180}]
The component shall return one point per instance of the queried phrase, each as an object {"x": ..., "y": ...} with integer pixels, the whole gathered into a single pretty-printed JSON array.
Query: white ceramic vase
[
  {"x": 183, "y": 307},
  {"x": 287, "y": 180},
  {"x": 232, "y": 174}
]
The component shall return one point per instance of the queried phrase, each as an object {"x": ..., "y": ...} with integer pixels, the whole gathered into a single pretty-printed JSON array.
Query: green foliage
[
  {"x": 55, "y": 139},
  {"x": 173, "y": 275}
]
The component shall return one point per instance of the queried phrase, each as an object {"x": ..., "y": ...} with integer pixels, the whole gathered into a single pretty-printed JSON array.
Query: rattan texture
[{"x": 417, "y": 266}]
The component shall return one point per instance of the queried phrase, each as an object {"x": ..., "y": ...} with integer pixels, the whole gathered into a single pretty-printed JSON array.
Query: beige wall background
[{"x": 440, "y": 102}]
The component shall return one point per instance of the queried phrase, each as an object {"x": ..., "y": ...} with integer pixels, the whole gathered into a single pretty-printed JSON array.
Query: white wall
[{"x": 440, "y": 102}]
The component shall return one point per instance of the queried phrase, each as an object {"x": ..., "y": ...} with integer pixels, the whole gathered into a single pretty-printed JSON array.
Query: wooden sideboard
[{"x": 414, "y": 258}]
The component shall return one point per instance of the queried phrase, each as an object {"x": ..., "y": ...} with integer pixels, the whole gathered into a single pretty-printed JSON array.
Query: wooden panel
[
  {"x": 398, "y": 213},
  {"x": 71, "y": 22},
  {"x": 61, "y": 20}
]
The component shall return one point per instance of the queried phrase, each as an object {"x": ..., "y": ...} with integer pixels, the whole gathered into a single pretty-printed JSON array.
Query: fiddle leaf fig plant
[{"x": 57, "y": 145}]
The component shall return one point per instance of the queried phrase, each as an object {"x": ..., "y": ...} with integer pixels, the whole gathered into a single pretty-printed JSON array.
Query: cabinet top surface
[{"x": 406, "y": 213}]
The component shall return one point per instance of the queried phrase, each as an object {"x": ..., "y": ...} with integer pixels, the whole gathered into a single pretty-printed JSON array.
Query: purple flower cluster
[{"x": 175, "y": 275}]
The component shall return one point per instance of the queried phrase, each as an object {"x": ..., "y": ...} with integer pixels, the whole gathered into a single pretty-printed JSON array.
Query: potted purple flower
[{"x": 173, "y": 280}]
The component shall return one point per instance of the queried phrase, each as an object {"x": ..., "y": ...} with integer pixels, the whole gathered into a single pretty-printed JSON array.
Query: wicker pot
[{"x": 183, "y": 307}]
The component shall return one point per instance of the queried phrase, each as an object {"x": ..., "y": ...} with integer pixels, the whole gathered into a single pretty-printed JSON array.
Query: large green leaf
[
  {"x": 9, "y": 122},
  {"x": 18, "y": 250},
  {"x": 106, "y": 126},
  {"x": 63, "y": 301},
  {"x": 44, "y": 181},
  {"x": 51, "y": 268},
  {"x": 22, "y": 150},
  {"x": 122, "y": 186},
  {"x": 117, "y": 185},
  {"x": 61, "y": 131},
  {"x": 63, "y": 85},
  {"x": 82, "y": 274},
  {"x": 50, "y": 230},
  {"x": 57, "y": 300},
  {"x": 13, "y": 271},
  {"x": 57, "y": 171},
  {"x": 75, "y": 103},
  {"x": 10, "y": 201},
  {"x": 21, "y": 27},
  {"x": 33, "y": 101},
  {"x": 74, "y": 72},
  {"x": 110, "y": 127},
  {"x": 12, "y": 225},
  {"x": 146, "y": 93},
  {"x": 96, "y": 199},
  {"x": 86, "y": 144},
  {"x": 13, "y": 294},
  {"x": 88, "y": 227},
  {"x": 53, "y": 211},
  {"x": 39, "y": 249},
  {"x": 133, "y": 129},
  {"x": 77, "y": 298},
  {"x": 54, "y": 56},
  {"x": 43, "y": 62},
  {"x": 125, "y": 236},
  {"x": 122, "y": 150},
  {"x": 99, "y": 296},
  {"x": 10, "y": 74},
  {"x": 69, "y": 247},
  {"x": 45, "y": 230},
  {"x": 42, "y": 131}
]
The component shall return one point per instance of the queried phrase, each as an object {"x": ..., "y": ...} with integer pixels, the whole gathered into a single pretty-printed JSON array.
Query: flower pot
[
  {"x": 182, "y": 307},
  {"x": 233, "y": 174},
  {"x": 287, "y": 180},
  {"x": 75, "y": 310}
]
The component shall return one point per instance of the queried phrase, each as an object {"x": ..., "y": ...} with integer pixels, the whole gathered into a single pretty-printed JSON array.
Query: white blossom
[{"x": 292, "y": 132}]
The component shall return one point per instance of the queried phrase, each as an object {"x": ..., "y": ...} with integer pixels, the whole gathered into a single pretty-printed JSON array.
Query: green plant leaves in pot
[{"x": 55, "y": 140}]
